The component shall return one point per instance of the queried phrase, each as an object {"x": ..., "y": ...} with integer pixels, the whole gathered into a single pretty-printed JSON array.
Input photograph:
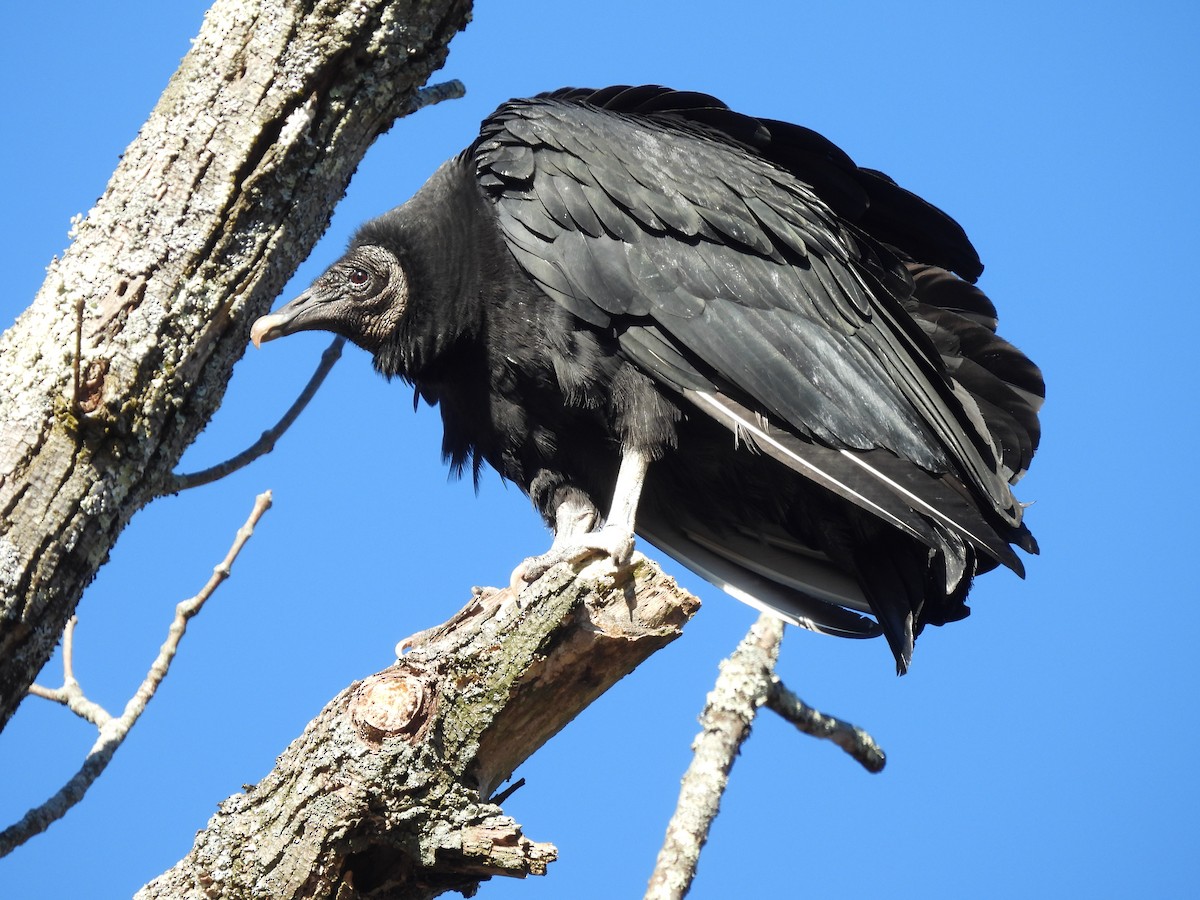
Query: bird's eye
[{"x": 358, "y": 277}]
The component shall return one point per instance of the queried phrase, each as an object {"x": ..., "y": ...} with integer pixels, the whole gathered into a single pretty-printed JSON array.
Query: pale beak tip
[{"x": 260, "y": 330}]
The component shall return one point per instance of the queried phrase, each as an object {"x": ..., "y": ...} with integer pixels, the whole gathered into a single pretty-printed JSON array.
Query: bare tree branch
[
  {"x": 742, "y": 687},
  {"x": 113, "y": 731},
  {"x": 446, "y": 90},
  {"x": 385, "y": 794},
  {"x": 124, "y": 355},
  {"x": 436, "y": 93},
  {"x": 746, "y": 682},
  {"x": 266, "y": 442},
  {"x": 71, "y": 694},
  {"x": 854, "y": 740}
]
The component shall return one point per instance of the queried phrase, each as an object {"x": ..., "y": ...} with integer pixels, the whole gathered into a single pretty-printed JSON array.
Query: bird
[{"x": 661, "y": 317}]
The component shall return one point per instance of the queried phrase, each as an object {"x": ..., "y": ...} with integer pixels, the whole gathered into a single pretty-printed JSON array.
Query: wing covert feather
[{"x": 661, "y": 213}]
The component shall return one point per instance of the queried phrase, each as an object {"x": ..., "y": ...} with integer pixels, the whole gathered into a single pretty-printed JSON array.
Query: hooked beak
[{"x": 294, "y": 316}]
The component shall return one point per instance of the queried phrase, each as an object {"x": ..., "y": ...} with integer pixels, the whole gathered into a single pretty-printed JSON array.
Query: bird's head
[{"x": 362, "y": 297}]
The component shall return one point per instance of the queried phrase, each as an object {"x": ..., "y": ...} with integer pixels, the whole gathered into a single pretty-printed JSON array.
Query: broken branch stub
[{"x": 386, "y": 791}]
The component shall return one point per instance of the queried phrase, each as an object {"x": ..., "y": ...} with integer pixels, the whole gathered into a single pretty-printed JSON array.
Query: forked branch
[
  {"x": 408, "y": 758},
  {"x": 747, "y": 681},
  {"x": 113, "y": 730},
  {"x": 741, "y": 688}
]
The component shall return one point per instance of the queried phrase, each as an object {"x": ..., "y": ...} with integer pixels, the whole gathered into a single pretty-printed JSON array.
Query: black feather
[{"x": 834, "y": 422}]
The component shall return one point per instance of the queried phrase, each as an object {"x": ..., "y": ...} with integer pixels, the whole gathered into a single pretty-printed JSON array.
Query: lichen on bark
[
  {"x": 387, "y": 792},
  {"x": 124, "y": 354}
]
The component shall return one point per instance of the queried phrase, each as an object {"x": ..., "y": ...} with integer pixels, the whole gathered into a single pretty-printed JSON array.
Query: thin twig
[
  {"x": 436, "y": 93},
  {"x": 69, "y": 651},
  {"x": 426, "y": 96},
  {"x": 113, "y": 731},
  {"x": 850, "y": 738},
  {"x": 743, "y": 686},
  {"x": 77, "y": 362},
  {"x": 59, "y": 695},
  {"x": 46, "y": 693},
  {"x": 71, "y": 695},
  {"x": 503, "y": 795},
  {"x": 266, "y": 442}
]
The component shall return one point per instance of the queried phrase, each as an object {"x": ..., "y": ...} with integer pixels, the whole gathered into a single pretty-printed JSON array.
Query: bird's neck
[{"x": 444, "y": 248}]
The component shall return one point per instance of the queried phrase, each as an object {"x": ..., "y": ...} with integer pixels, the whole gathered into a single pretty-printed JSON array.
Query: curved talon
[
  {"x": 617, "y": 542},
  {"x": 612, "y": 541}
]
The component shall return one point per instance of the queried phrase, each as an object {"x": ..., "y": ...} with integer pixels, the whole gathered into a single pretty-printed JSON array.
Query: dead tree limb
[
  {"x": 386, "y": 794},
  {"x": 854, "y": 740},
  {"x": 746, "y": 682},
  {"x": 742, "y": 687},
  {"x": 125, "y": 353},
  {"x": 114, "y": 729},
  {"x": 266, "y": 441}
]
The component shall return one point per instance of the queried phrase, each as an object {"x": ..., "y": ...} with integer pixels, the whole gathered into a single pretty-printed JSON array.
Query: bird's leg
[
  {"x": 574, "y": 539},
  {"x": 616, "y": 538}
]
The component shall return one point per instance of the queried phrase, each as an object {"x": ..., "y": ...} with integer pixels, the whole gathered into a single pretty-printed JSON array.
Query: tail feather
[
  {"x": 807, "y": 592},
  {"x": 894, "y": 490}
]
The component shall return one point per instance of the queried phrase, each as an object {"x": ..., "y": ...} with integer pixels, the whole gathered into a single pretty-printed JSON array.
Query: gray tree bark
[
  {"x": 125, "y": 353},
  {"x": 387, "y": 792}
]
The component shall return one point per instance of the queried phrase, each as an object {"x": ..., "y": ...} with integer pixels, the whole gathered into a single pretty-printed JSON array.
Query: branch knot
[{"x": 392, "y": 703}]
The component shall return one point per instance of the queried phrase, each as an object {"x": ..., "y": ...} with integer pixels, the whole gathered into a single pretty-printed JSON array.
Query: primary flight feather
[{"x": 655, "y": 314}]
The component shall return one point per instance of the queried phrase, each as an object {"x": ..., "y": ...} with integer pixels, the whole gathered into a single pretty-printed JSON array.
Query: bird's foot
[{"x": 612, "y": 541}]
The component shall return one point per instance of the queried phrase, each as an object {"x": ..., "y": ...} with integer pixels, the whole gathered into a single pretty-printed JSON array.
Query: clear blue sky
[{"x": 1044, "y": 747}]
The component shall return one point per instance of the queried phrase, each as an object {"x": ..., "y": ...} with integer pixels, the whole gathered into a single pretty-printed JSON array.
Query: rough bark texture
[
  {"x": 124, "y": 355},
  {"x": 385, "y": 795},
  {"x": 743, "y": 686}
]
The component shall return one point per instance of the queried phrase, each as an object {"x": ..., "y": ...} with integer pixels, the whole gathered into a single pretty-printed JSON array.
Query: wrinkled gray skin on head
[{"x": 362, "y": 297}]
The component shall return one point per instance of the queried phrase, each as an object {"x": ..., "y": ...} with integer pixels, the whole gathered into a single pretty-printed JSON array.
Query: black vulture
[{"x": 655, "y": 314}]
